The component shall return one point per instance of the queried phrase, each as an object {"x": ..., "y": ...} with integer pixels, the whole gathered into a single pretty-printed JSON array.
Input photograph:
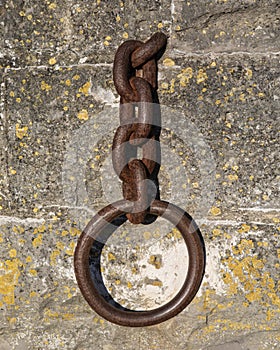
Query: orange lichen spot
[
  {"x": 125, "y": 35},
  {"x": 21, "y": 131}
]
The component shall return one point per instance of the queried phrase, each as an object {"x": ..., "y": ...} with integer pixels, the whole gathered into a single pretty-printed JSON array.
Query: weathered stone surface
[
  {"x": 43, "y": 108},
  {"x": 238, "y": 303},
  {"x": 219, "y": 89},
  {"x": 70, "y": 32},
  {"x": 234, "y": 102},
  {"x": 226, "y": 26}
]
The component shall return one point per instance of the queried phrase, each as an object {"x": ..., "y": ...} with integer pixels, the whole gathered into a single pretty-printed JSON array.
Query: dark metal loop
[
  {"x": 123, "y": 70},
  {"x": 124, "y": 151},
  {"x": 151, "y": 48},
  {"x": 135, "y": 189},
  {"x": 92, "y": 285}
]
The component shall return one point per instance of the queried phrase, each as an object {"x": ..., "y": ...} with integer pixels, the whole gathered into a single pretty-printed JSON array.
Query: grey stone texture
[{"x": 219, "y": 86}]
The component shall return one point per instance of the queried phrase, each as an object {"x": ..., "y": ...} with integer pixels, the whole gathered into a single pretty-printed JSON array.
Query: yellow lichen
[
  {"x": 185, "y": 76},
  {"x": 85, "y": 88},
  {"x": 232, "y": 177},
  {"x": 45, "y": 86},
  {"x": 215, "y": 211},
  {"x": 216, "y": 232},
  {"x": 70, "y": 250},
  {"x": 157, "y": 283},
  {"x": 53, "y": 256},
  {"x": 201, "y": 76},
  {"x": 168, "y": 62},
  {"x": 52, "y": 61},
  {"x": 111, "y": 256},
  {"x": 12, "y": 171},
  {"x": 9, "y": 275},
  {"x": 37, "y": 241},
  {"x": 13, "y": 253},
  {"x": 249, "y": 73},
  {"x": 83, "y": 114},
  {"x": 147, "y": 235},
  {"x": 155, "y": 261},
  {"x": 52, "y": 5}
]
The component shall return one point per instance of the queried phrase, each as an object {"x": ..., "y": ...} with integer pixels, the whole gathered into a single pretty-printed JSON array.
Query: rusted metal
[
  {"x": 142, "y": 130},
  {"x": 135, "y": 78},
  {"x": 93, "y": 288}
]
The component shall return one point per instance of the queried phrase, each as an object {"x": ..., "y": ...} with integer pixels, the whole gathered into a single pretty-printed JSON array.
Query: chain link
[{"x": 135, "y": 78}]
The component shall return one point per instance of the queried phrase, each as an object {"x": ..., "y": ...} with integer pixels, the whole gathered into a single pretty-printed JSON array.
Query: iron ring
[{"x": 95, "y": 236}]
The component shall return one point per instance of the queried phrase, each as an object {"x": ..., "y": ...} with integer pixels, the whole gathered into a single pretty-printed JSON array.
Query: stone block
[
  {"x": 225, "y": 26},
  {"x": 66, "y": 32}
]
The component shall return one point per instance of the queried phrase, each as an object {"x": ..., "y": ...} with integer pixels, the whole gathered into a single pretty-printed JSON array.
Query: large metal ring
[{"x": 91, "y": 284}]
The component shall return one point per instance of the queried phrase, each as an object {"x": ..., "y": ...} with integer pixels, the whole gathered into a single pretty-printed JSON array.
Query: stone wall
[{"x": 220, "y": 77}]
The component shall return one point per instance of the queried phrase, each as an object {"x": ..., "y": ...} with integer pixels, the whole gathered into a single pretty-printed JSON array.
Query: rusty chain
[{"x": 135, "y": 78}]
